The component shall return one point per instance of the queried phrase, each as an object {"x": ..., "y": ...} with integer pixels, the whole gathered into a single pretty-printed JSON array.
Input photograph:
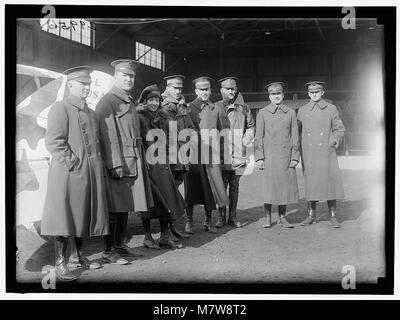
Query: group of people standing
[{"x": 100, "y": 168}]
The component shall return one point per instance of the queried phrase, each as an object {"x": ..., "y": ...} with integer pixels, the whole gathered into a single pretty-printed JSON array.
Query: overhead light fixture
[
  {"x": 143, "y": 20},
  {"x": 176, "y": 38},
  {"x": 267, "y": 33},
  {"x": 371, "y": 28},
  {"x": 201, "y": 50}
]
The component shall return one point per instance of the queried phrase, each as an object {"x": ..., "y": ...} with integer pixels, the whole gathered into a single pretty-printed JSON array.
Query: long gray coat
[
  {"x": 320, "y": 127},
  {"x": 203, "y": 178},
  {"x": 277, "y": 143},
  {"x": 121, "y": 147},
  {"x": 75, "y": 203}
]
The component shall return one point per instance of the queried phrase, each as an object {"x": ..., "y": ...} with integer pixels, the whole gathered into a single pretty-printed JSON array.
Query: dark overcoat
[
  {"x": 206, "y": 177},
  {"x": 239, "y": 120},
  {"x": 75, "y": 203},
  {"x": 178, "y": 110},
  {"x": 321, "y": 127},
  {"x": 166, "y": 195},
  {"x": 277, "y": 143},
  {"x": 122, "y": 148}
]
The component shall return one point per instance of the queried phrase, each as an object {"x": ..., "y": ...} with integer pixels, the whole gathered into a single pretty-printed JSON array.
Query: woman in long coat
[
  {"x": 169, "y": 203},
  {"x": 277, "y": 154}
]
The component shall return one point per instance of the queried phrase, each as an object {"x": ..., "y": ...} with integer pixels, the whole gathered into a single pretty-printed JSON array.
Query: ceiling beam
[
  {"x": 109, "y": 36},
  {"x": 319, "y": 29}
]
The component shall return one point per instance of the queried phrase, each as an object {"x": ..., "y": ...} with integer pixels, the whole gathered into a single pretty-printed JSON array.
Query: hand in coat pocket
[{"x": 72, "y": 165}]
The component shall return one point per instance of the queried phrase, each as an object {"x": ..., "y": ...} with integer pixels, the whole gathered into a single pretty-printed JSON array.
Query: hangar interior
[{"x": 257, "y": 51}]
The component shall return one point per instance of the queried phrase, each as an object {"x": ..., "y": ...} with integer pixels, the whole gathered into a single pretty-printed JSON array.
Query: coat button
[
  {"x": 321, "y": 133},
  {"x": 309, "y": 134}
]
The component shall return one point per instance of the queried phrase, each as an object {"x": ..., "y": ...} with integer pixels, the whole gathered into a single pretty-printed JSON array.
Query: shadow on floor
[{"x": 346, "y": 210}]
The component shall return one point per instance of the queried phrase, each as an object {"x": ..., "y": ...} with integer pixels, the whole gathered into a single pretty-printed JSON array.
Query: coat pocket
[
  {"x": 71, "y": 162},
  {"x": 130, "y": 159},
  {"x": 127, "y": 149}
]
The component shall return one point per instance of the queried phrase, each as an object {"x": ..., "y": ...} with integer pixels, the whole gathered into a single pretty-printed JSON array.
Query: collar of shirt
[
  {"x": 121, "y": 94},
  {"x": 321, "y": 104},
  {"x": 272, "y": 107},
  {"x": 77, "y": 102}
]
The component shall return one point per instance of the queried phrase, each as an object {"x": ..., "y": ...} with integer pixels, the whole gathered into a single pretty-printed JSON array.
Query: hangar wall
[
  {"x": 340, "y": 68},
  {"x": 41, "y": 49}
]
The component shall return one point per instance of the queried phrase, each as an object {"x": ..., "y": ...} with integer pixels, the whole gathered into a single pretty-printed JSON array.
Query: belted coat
[
  {"x": 277, "y": 143},
  {"x": 321, "y": 127},
  {"x": 122, "y": 147},
  {"x": 75, "y": 203}
]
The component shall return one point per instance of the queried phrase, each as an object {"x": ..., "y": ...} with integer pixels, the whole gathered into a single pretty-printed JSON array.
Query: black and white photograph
[{"x": 200, "y": 149}]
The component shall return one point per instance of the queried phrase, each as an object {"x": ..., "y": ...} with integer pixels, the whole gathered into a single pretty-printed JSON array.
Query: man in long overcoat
[
  {"x": 204, "y": 180},
  {"x": 321, "y": 133},
  {"x": 239, "y": 121},
  {"x": 75, "y": 204},
  {"x": 128, "y": 181},
  {"x": 277, "y": 154},
  {"x": 173, "y": 102}
]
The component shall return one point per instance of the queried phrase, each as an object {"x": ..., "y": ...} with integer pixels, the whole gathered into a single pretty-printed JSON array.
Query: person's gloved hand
[
  {"x": 337, "y": 143},
  {"x": 293, "y": 163},
  {"x": 260, "y": 164},
  {"x": 116, "y": 172}
]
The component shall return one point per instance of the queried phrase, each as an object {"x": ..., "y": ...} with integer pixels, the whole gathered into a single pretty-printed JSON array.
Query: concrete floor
[{"x": 250, "y": 254}]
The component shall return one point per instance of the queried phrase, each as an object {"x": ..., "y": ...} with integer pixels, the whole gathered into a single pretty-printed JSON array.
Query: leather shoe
[
  {"x": 113, "y": 257},
  {"x": 334, "y": 222},
  {"x": 284, "y": 223},
  {"x": 308, "y": 221},
  {"x": 150, "y": 244},
  {"x": 62, "y": 271},
  {"x": 166, "y": 242},
  {"x": 83, "y": 262},
  {"x": 234, "y": 223},
  {"x": 125, "y": 250},
  {"x": 189, "y": 227},
  {"x": 221, "y": 221},
  {"x": 177, "y": 234},
  {"x": 267, "y": 222}
]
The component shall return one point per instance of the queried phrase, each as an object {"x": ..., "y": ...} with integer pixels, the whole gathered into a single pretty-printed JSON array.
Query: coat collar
[
  {"x": 75, "y": 101},
  {"x": 200, "y": 104},
  {"x": 232, "y": 104},
  {"x": 123, "y": 108},
  {"x": 168, "y": 98},
  {"x": 321, "y": 104},
  {"x": 272, "y": 107},
  {"x": 121, "y": 94}
]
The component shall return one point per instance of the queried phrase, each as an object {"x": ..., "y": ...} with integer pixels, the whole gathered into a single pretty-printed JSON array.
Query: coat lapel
[
  {"x": 76, "y": 102},
  {"x": 122, "y": 108}
]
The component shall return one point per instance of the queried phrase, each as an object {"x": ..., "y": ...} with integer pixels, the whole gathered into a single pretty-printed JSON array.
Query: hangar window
[
  {"x": 79, "y": 30},
  {"x": 149, "y": 56}
]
